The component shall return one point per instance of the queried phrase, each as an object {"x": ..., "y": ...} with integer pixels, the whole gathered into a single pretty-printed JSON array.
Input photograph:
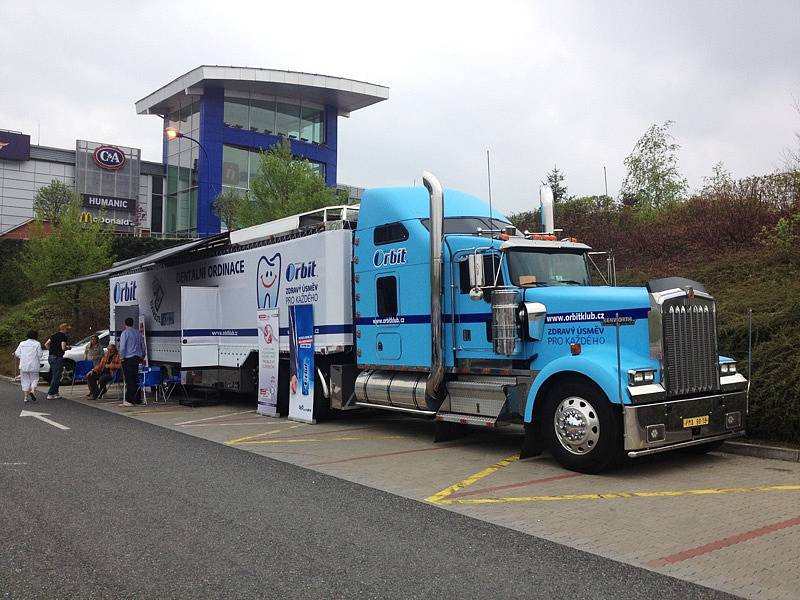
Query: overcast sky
[{"x": 537, "y": 83}]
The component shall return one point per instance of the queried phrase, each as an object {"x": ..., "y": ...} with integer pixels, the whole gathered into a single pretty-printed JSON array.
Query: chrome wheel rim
[{"x": 577, "y": 425}]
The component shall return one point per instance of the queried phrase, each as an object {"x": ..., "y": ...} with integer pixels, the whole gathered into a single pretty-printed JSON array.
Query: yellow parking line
[
  {"x": 443, "y": 497},
  {"x": 243, "y": 440},
  {"x": 317, "y": 440},
  {"x": 614, "y": 495},
  {"x": 439, "y": 497}
]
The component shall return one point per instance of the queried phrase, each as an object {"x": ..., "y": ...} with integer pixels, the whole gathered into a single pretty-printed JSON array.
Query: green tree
[
  {"x": 792, "y": 155},
  {"x": 653, "y": 180},
  {"x": 70, "y": 250},
  {"x": 555, "y": 179},
  {"x": 226, "y": 207},
  {"x": 284, "y": 186},
  {"x": 52, "y": 200},
  {"x": 720, "y": 181}
]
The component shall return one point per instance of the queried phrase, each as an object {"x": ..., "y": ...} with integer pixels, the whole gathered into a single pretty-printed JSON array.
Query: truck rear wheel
[{"x": 581, "y": 428}]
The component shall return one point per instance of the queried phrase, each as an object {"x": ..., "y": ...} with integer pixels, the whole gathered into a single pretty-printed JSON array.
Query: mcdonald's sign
[{"x": 86, "y": 217}]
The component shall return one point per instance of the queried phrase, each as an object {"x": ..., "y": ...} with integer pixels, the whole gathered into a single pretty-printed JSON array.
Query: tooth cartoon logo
[{"x": 268, "y": 281}]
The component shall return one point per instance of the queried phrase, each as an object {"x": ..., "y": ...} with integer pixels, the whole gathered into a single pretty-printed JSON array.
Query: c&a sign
[{"x": 110, "y": 158}]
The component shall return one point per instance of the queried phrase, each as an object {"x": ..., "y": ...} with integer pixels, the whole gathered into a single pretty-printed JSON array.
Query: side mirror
[
  {"x": 533, "y": 316},
  {"x": 477, "y": 278}
]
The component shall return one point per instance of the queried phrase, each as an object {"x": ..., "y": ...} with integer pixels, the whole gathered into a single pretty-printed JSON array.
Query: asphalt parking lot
[{"x": 724, "y": 521}]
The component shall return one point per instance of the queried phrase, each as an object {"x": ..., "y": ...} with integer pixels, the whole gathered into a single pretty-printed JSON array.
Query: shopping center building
[{"x": 221, "y": 118}]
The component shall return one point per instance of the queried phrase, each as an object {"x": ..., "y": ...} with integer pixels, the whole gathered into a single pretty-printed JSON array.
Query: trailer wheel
[{"x": 581, "y": 427}]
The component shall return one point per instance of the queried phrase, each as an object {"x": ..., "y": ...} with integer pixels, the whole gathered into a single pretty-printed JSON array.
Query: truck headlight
[
  {"x": 728, "y": 368},
  {"x": 641, "y": 376}
]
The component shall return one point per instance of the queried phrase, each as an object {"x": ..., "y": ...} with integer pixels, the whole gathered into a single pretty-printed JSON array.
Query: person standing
[
  {"x": 93, "y": 351},
  {"x": 29, "y": 352},
  {"x": 131, "y": 349},
  {"x": 57, "y": 344}
]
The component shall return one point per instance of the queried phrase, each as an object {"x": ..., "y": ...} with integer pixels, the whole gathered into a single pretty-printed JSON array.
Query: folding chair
[
  {"x": 150, "y": 377},
  {"x": 82, "y": 368},
  {"x": 168, "y": 385},
  {"x": 119, "y": 382}
]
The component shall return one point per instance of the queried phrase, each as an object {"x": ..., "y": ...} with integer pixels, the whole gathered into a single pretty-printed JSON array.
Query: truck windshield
[{"x": 531, "y": 268}]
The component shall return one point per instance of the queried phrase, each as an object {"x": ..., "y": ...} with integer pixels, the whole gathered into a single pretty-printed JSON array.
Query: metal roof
[
  {"x": 345, "y": 94},
  {"x": 387, "y": 205},
  {"x": 148, "y": 260}
]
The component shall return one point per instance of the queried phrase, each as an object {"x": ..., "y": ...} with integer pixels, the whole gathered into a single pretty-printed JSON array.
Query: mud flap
[
  {"x": 532, "y": 444},
  {"x": 446, "y": 431}
]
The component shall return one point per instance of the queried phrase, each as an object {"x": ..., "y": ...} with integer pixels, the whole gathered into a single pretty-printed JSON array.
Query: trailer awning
[{"x": 148, "y": 260}]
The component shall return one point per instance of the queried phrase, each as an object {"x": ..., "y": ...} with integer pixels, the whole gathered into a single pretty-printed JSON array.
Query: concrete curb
[{"x": 761, "y": 451}]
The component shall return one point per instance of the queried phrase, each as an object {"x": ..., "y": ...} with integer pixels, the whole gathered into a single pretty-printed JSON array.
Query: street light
[{"x": 173, "y": 133}]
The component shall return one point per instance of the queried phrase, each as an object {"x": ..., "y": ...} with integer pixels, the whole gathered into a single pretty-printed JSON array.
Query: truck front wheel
[{"x": 582, "y": 429}]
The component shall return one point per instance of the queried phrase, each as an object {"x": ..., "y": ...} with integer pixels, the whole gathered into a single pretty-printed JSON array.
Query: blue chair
[
  {"x": 150, "y": 377},
  {"x": 82, "y": 368}
]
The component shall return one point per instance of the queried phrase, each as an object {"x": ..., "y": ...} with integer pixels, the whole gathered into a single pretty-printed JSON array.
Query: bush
[{"x": 13, "y": 288}]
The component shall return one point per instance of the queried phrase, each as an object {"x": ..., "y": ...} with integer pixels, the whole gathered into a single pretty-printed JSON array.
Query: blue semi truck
[
  {"x": 464, "y": 319},
  {"x": 429, "y": 303}
]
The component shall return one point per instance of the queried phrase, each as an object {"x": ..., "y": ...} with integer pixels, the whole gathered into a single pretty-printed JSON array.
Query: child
[{"x": 29, "y": 353}]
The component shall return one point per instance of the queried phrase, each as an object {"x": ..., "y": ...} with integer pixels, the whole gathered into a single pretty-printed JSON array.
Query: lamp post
[{"x": 173, "y": 133}]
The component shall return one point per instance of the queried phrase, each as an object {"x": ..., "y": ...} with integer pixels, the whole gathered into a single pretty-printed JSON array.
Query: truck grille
[{"x": 690, "y": 348}]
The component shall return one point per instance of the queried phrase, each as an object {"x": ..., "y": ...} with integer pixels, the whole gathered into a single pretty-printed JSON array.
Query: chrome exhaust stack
[
  {"x": 546, "y": 202},
  {"x": 436, "y": 228}
]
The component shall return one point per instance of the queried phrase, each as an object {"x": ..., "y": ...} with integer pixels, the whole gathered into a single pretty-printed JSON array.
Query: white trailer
[{"x": 199, "y": 307}]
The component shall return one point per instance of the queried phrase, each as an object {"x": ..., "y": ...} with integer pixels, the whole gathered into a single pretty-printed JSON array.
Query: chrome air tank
[
  {"x": 505, "y": 334},
  {"x": 392, "y": 389}
]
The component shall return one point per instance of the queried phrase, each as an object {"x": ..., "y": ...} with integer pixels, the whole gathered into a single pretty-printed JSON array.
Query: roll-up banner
[
  {"x": 268, "y": 350},
  {"x": 301, "y": 363}
]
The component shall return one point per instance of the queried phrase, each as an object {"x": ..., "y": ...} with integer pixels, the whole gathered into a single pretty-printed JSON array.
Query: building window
[
  {"x": 311, "y": 125},
  {"x": 179, "y": 204},
  {"x": 389, "y": 234},
  {"x": 240, "y": 165},
  {"x": 236, "y": 113},
  {"x": 318, "y": 168},
  {"x": 235, "y": 167},
  {"x": 386, "y": 288},
  {"x": 287, "y": 122},
  {"x": 156, "y": 203},
  {"x": 262, "y": 116},
  {"x": 295, "y": 121}
]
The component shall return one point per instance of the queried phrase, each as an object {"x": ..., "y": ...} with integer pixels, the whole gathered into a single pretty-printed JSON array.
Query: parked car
[{"x": 73, "y": 355}]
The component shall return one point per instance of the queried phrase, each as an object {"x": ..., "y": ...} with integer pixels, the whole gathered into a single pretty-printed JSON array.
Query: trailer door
[
  {"x": 120, "y": 314},
  {"x": 200, "y": 323}
]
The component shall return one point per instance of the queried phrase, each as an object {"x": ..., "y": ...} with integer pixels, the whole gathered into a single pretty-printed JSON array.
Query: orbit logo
[
  {"x": 124, "y": 291},
  {"x": 301, "y": 270},
  {"x": 383, "y": 258}
]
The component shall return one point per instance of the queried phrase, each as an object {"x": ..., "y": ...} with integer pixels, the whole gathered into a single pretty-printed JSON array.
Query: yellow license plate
[{"x": 695, "y": 421}]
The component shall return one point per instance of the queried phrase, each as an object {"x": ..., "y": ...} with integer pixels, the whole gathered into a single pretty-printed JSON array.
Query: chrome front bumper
[{"x": 659, "y": 427}]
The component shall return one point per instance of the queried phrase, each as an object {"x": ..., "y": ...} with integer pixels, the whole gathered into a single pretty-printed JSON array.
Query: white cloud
[{"x": 572, "y": 83}]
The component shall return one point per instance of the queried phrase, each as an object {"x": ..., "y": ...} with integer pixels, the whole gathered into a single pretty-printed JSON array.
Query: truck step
[
  {"x": 410, "y": 411},
  {"x": 462, "y": 419},
  {"x": 481, "y": 396}
]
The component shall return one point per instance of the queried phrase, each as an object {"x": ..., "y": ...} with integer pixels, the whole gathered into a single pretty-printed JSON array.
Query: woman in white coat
[{"x": 29, "y": 353}]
